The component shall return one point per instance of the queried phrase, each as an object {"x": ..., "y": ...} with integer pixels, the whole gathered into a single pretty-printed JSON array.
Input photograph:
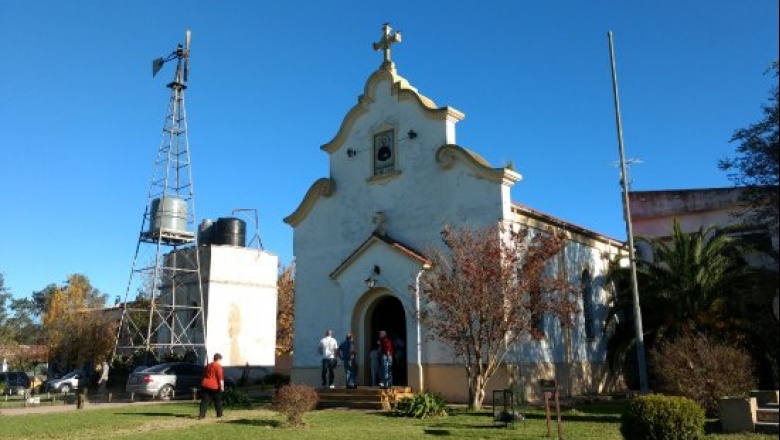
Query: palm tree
[
  {"x": 698, "y": 278},
  {"x": 690, "y": 281}
]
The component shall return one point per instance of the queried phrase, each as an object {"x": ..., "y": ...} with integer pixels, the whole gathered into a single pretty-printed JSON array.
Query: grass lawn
[{"x": 177, "y": 420}]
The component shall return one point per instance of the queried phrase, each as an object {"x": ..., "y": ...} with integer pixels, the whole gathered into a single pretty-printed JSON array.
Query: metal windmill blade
[{"x": 188, "y": 36}]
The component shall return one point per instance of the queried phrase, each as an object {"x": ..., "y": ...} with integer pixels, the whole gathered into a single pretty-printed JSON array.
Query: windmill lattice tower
[{"x": 162, "y": 312}]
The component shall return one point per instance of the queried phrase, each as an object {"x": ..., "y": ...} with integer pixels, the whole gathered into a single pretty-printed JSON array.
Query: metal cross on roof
[{"x": 387, "y": 40}]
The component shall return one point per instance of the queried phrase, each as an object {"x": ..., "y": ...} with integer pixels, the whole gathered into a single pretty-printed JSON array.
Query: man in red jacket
[{"x": 212, "y": 386}]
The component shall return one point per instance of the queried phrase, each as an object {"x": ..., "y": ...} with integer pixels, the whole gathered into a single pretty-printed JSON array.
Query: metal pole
[
  {"x": 640, "y": 343},
  {"x": 417, "y": 313}
]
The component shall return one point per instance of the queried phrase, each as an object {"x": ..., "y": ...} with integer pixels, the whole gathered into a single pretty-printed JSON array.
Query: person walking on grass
[{"x": 211, "y": 387}]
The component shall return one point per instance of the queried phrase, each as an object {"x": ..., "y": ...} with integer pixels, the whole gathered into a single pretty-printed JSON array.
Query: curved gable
[
  {"x": 323, "y": 187},
  {"x": 402, "y": 90},
  {"x": 446, "y": 156}
]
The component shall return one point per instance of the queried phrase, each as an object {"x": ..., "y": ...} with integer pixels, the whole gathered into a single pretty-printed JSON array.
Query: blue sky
[{"x": 81, "y": 116}]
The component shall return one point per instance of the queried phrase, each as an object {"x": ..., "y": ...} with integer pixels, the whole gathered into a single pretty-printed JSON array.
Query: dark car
[
  {"x": 164, "y": 381},
  {"x": 14, "y": 382}
]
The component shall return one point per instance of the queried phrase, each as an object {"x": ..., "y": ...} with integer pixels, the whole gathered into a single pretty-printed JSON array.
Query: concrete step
[
  {"x": 767, "y": 415},
  {"x": 361, "y": 398},
  {"x": 767, "y": 427}
]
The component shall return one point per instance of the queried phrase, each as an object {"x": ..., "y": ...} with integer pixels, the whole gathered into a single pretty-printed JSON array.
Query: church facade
[{"x": 397, "y": 176}]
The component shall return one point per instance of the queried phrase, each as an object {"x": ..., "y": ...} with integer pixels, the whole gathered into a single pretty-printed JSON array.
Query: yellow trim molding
[
  {"x": 447, "y": 154},
  {"x": 323, "y": 187},
  {"x": 400, "y": 88}
]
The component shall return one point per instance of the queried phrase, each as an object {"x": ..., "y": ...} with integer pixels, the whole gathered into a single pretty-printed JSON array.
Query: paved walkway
[{"x": 46, "y": 408}]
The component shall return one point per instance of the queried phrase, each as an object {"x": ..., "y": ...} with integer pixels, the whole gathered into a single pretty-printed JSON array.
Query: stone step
[
  {"x": 767, "y": 415},
  {"x": 767, "y": 427},
  {"x": 361, "y": 398}
]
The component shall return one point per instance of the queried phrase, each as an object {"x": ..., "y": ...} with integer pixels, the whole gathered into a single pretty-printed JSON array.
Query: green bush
[
  {"x": 421, "y": 406},
  {"x": 235, "y": 398},
  {"x": 704, "y": 370},
  {"x": 293, "y": 401},
  {"x": 659, "y": 417}
]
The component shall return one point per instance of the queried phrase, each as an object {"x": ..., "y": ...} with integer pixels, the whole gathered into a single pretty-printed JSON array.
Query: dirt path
[{"x": 62, "y": 407}]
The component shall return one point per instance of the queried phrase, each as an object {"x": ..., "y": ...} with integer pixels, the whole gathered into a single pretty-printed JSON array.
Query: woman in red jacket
[{"x": 212, "y": 386}]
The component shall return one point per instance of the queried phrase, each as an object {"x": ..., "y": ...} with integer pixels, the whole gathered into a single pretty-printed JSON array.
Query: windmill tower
[{"x": 162, "y": 312}]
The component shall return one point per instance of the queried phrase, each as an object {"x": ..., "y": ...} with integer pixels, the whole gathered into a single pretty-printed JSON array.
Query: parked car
[
  {"x": 164, "y": 381},
  {"x": 66, "y": 383},
  {"x": 14, "y": 382}
]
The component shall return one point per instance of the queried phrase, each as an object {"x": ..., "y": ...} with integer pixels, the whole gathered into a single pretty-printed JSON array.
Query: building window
[
  {"x": 587, "y": 303},
  {"x": 384, "y": 153}
]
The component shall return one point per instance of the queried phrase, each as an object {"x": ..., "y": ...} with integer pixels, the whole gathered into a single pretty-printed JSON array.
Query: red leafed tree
[
  {"x": 285, "y": 311},
  {"x": 487, "y": 288}
]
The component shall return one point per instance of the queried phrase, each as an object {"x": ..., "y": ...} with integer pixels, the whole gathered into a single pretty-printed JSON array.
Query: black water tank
[
  {"x": 206, "y": 232},
  {"x": 230, "y": 231}
]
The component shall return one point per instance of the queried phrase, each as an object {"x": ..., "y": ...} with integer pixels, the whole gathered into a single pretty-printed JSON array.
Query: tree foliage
[
  {"x": 285, "y": 311},
  {"x": 489, "y": 287},
  {"x": 77, "y": 330},
  {"x": 702, "y": 369},
  {"x": 18, "y": 325},
  {"x": 694, "y": 282},
  {"x": 757, "y": 162}
]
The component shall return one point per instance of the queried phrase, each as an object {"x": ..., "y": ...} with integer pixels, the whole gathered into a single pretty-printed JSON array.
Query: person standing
[
  {"x": 375, "y": 370},
  {"x": 347, "y": 353},
  {"x": 211, "y": 387},
  {"x": 386, "y": 359},
  {"x": 103, "y": 381},
  {"x": 327, "y": 349}
]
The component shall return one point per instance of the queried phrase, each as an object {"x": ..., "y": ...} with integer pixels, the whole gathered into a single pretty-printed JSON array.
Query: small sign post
[{"x": 550, "y": 389}]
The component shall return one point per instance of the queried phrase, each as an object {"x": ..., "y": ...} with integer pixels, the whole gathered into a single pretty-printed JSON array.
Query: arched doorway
[{"x": 387, "y": 313}]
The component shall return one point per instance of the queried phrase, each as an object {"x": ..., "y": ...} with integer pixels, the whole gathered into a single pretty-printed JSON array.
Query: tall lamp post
[{"x": 640, "y": 342}]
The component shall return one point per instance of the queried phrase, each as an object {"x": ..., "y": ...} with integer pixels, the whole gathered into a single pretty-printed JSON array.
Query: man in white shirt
[
  {"x": 103, "y": 382},
  {"x": 327, "y": 349}
]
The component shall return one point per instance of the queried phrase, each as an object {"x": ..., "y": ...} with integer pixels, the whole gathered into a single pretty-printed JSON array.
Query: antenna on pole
[
  {"x": 629, "y": 163},
  {"x": 640, "y": 343}
]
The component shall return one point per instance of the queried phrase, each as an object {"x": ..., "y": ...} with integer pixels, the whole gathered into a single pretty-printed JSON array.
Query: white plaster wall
[
  {"x": 241, "y": 312},
  {"x": 416, "y": 204}
]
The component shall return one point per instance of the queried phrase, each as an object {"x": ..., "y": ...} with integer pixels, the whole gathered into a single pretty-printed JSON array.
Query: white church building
[{"x": 397, "y": 176}]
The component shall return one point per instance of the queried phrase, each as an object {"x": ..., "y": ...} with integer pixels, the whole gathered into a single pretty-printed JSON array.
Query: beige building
[{"x": 652, "y": 214}]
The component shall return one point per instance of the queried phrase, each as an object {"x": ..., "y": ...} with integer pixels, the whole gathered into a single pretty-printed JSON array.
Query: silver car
[
  {"x": 66, "y": 383},
  {"x": 164, "y": 381}
]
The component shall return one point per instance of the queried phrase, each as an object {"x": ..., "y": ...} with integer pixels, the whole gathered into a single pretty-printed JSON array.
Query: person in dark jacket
[{"x": 348, "y": 356}]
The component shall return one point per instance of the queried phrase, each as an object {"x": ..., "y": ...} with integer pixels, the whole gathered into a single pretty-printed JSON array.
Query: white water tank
[{"x": 168, "y": 214}]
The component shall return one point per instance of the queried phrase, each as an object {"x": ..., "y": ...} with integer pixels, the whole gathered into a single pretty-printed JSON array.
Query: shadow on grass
[
  {"x": 437, "y": 432},
  {"x": 712, "y": 426},
  {"x": 568, "y": 416},
  {"x": 577, "y": 418},
  {"x": 439, "y": 423},
  {"x": 257, "y": 422},
  {"x": 155, "y": 414}
]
